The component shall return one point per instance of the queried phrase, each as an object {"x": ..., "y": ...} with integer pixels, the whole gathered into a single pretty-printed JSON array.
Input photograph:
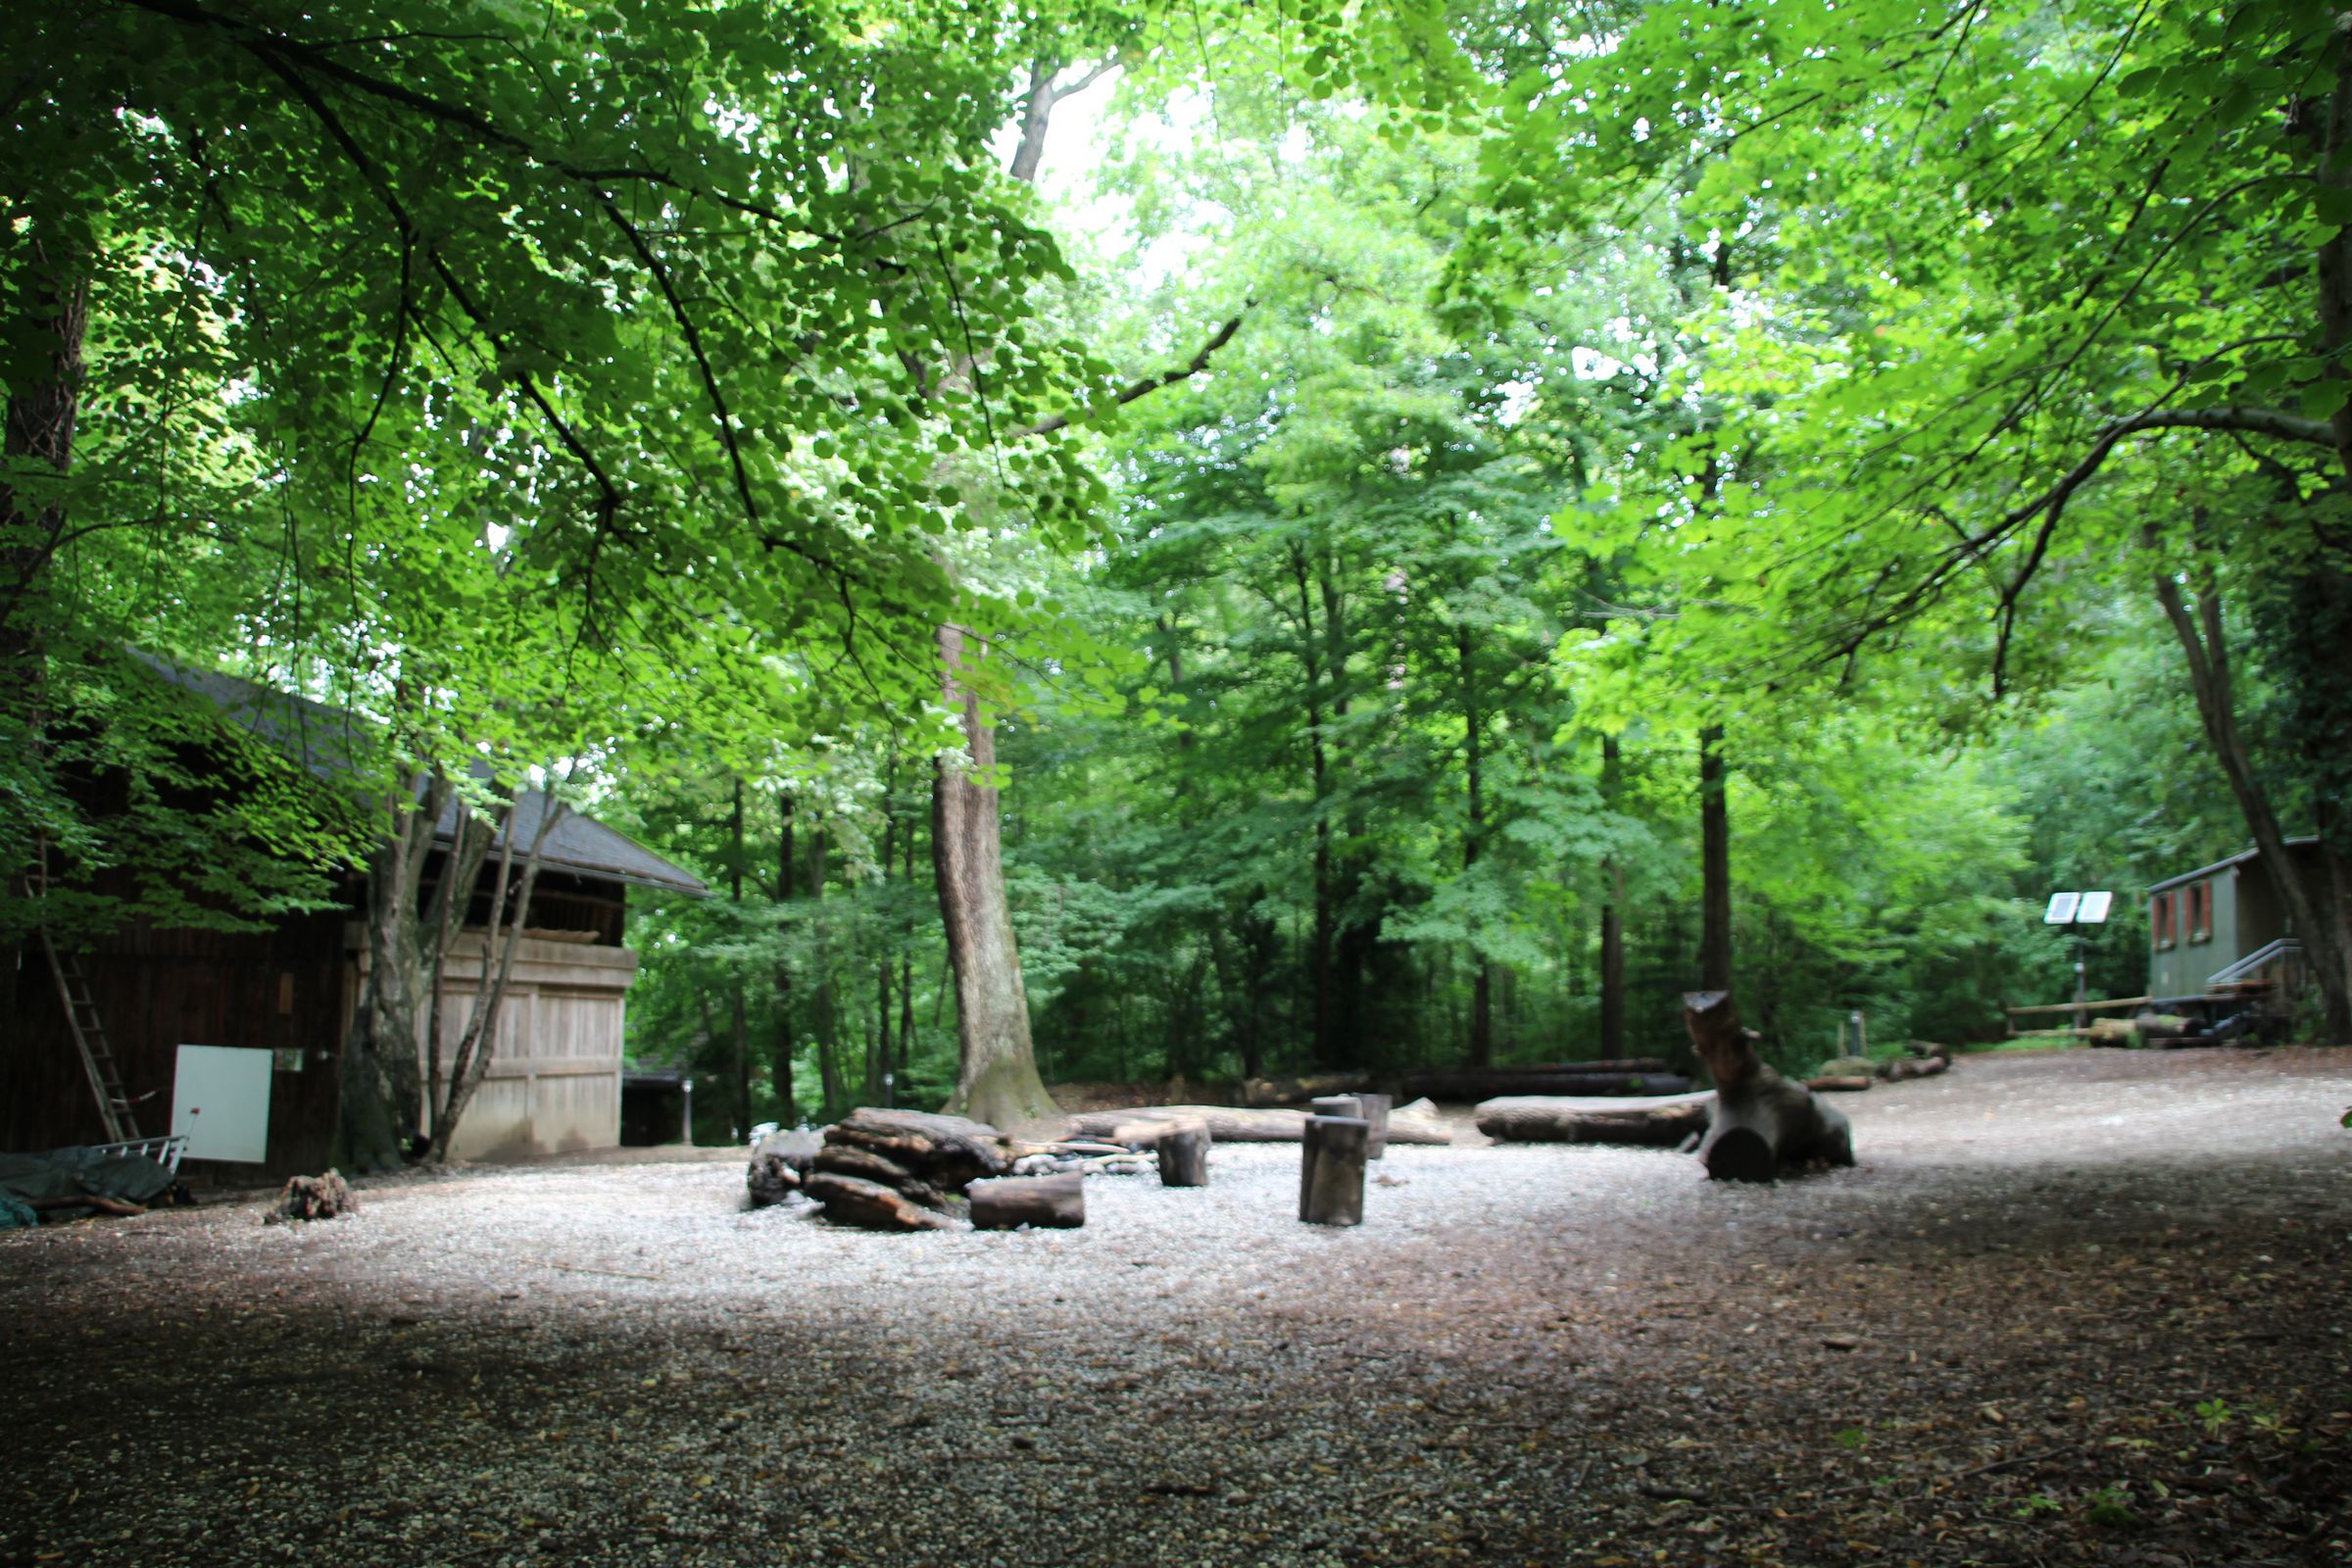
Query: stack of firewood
[{"x": 901, "y": 1170}]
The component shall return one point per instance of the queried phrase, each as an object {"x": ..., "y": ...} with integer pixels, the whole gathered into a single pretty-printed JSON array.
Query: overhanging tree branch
[{"x": 1190, "y": 368}]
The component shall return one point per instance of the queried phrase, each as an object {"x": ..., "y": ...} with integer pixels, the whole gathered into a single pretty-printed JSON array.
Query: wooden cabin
[
  {"x": 2220, "y": 933},
  {"x": 554, "y": 1078}
]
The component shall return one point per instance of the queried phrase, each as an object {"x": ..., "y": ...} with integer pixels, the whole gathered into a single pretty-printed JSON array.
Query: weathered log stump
[
  {"x": 1331, "y": 1170},
  {"x": 870, "y": 1205},
  {"x": 1376, "y": 1109},
  {"x": 1048, "y": 1202},
  {"x": 1762, "y": 1122},
  {"x": 1661, "y": 1122},
  {"x": 1350, "y": 1106},
  {"x": 1184, "y": 1155}
]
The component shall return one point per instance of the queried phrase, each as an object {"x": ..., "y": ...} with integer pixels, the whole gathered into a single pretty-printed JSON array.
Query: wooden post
[
  {"x": 1335, "y": 1106},
  {"x": 1375, "y": 1108},
  {"x": 1184, "y": 1155},
  {"x": 1331, "y": 1170},
  {"x": 1056, "y": 1203}
]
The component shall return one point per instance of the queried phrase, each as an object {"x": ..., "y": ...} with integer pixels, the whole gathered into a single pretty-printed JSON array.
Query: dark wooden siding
[{"x": 159, "y": 990}]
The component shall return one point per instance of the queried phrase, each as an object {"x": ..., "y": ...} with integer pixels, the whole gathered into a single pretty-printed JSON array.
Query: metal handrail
[{"x": 2268, "y": 953}]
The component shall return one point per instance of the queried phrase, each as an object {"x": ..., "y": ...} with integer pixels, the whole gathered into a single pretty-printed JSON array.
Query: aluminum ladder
[{"x": 89, "y": 1038}]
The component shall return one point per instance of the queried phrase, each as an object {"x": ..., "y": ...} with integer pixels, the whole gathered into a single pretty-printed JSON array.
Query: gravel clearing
[{"x": 1526, "y": 1354}]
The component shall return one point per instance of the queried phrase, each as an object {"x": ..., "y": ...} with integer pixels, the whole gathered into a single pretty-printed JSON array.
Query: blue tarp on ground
[{"x": 74, "y": 1172}]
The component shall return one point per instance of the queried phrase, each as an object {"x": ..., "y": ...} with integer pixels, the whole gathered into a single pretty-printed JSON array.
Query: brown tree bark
[
  {"x": 2318, "y": 919},
  {"x": 1612, "y": 913},
  {"x": 995, "y": 1078},
  {"x": 1763, "y": 1123},
  {"x": 786, "y": 869},
  {"x": 1481, "y": 984},
  {"x": 836, "y": 1094},
  {"x": 1715, "y": 865},
  {"x": 740, "y": 1045}
]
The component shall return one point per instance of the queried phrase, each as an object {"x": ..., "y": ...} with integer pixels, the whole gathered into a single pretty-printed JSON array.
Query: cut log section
[
  {"x": 1331, "y": 1170},
  {"x": 1486, "y": 1083},
  {"x": 1048, "y": 1203},
  {"x": 1184, "y": 1155},
  {"x": 1662, "y": 1121},
  {"x": 1842, "y": 1084},
  {"x": 870, "y": 1205},
  {"x": 1416, "y": 1123},
  {"x": 1762, "y": 1122},
  {"x": 1376, "y": 1109},
  {"x": 1336, "y": 1105}
]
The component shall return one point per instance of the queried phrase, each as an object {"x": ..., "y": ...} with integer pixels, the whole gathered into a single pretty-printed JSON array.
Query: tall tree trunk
[
  {"x": 1322, "y": 1046},
  {"x": 877, "y": 1049},
  {"x": 1612, "y": 913},
  {"x": 1715, "y": 865},
  {"x": 1482, "y": 988},
  {"x": 499, "y": 945},
  {"x": 2317, "y": 914},
  {"x": 42, "y": 408},
  {"x": 996, "y": 1077},
  {"x": 740, "y": 1045},
  {"x": 828, "y": 1023},
  {"x": 785, "y": 868},
  {"x": 905, "y": 1050}
]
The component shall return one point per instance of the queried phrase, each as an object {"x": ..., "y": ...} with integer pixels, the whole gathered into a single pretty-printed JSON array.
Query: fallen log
[
  {"x": 1762, "y": 1122},
  {"x": 1487, "y": 1083},
  {"x": 1299, "y": 1090},
  {"x": 1418, "y": 1123},
  {"x": 1842, "y": 1083},
  {"x": 1901, "y": 1069},
  {"x": 1331, "y": 1170},
  {"x": 870, "y": 1205},
  {"x": 1662, "y": 1121},
  {"x": 1048, "y": 1203}
]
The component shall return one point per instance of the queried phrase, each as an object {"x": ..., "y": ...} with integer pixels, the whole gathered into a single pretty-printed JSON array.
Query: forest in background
[{"x": 1457, "y": 522}]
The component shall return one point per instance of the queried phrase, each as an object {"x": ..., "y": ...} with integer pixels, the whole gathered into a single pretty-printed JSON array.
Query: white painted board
[{"x": 221, "y": 1102}]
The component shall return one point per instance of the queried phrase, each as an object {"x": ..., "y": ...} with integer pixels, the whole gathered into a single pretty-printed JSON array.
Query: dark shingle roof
[{"x": 323, "y": 739}]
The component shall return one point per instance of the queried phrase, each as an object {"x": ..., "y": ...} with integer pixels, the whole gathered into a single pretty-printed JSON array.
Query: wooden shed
[
  {"x": 2219, "y": 931},
  {"x": 554, "y": 1080}
]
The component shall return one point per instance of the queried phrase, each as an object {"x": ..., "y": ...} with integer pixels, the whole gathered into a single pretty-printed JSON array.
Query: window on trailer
[
  {"x": 2199, "y": 918},
  {"x": 2160, "y": 919}
]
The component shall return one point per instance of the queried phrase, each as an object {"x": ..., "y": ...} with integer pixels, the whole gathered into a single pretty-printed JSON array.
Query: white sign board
[
  {"x": 2062, "y": 908},
  {"x": 2093, "y": 908},
  {"x": 221, "y": 1102}
]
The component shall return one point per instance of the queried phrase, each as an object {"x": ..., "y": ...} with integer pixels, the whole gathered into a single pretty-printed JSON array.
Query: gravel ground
[{"x": 1989, "y": 1344}]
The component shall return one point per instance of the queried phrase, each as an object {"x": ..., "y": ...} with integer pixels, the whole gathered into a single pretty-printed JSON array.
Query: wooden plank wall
[
  {"x": 554, "y": 1082},
  {"x": 161, "y": 990}
]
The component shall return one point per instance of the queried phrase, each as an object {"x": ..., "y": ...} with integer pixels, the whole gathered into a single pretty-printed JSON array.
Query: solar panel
[
  {"x": 2062, "y": 908},
  {"x": 2093, "y": 908}
]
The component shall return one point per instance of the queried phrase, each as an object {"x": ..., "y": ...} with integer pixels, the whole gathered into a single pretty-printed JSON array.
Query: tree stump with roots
[{"x": 1763, "y": 1123}]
